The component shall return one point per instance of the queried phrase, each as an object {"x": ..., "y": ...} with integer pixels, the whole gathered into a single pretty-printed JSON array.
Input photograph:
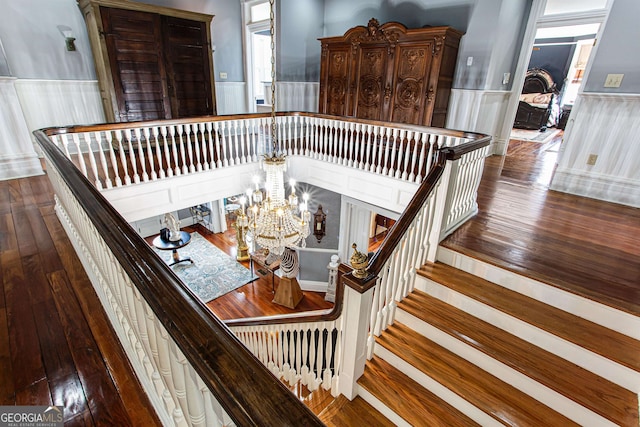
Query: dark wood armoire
[
  {"x": 152, "y": 62},
  {"x": 388, "y": 72}
]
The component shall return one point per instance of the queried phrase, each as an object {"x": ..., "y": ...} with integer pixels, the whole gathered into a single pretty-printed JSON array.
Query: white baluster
[
  {"x": 204, "y": 146},
  {"x": 140, "y": 153},
  {"x": 233, "y": 128},
  {"x": 408, "y": 154},
  {"x": 123, "y": 158},
  {"x": 375, "y": 319},
  {"x": 255, "y": 139},
  {"x": 113, "y": 159},
  {"x": 145, "y": 132},
  {"x": 179, "y": 132},
  {"x": 422, "y": 141},
  {"x": 92, "y": 159},
  {"x": 219, "y": 156},
  {"x": 83, "y": 166},
  {"x": 159, "y": 147},
  {"x": 99, "y": 137},
  {"x": 367, "y": 158},
  {"x": 297, "y": 143},
  {"x": 212, "y": 155},
  {"x": 399, "y": 154},
  {"x": 393, "y": 153},
  {"x": 195, "y": 146},
  {"x": 185, "y": 138},
  {"x": 227, "y": 160},
  {"x": 242, "y": 131}
]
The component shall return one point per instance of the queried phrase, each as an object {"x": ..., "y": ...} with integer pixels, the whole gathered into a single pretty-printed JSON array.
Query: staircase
[{"x": 468, "y": 351}]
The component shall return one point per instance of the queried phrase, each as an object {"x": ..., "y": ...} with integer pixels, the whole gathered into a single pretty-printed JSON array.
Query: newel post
[{"x": 358, "y": 299}]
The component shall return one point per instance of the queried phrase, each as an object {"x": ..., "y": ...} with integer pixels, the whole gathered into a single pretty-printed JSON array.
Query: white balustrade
[
  {"x": 126, "y": 155},
  {"x": 178, "y": 394},
  {"x": 304, "y": 352},
  {"x": 397, "y": 277},
  {"x": 461, "y": 203}
]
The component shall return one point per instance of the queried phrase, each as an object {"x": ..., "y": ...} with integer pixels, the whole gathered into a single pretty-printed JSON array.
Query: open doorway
[
  {"x": 257, "y": 53},
  {"x": 556, "y": 68},
  {"x": 553, "y": 78}
]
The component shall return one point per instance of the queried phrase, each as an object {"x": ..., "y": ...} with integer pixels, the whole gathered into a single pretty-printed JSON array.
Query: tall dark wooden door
[
  {"x": 137, "y": 64},
  {"x": 159, "y": 65},
  {"x": 187, "y": 62}
]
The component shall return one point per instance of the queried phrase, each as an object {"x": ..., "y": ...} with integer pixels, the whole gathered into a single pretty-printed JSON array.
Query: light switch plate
[
  {"x": 613, "y": 80},
  {"x": 223, "y": 75}
]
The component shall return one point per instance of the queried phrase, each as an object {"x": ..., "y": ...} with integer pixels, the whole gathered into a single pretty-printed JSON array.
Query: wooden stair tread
[
  {"x": 344, "y": 413},
  {"x": 500, "y": 400},
  {"x": 407, "y": 398},
  {"x": 608, "y": 343},
  {"x": 603, "y": 397}
]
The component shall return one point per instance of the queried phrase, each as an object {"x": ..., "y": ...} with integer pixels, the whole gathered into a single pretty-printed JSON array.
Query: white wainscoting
[
  {"x": 231, "y": 98},
  {"x": 48, "y": 103},
  {"x": 18, "y": 157},
  {"x": 479, "y": 111},
  {"x": 294, "y": 96},
  {"x": 298, "y": 96},
  {"x": 607, "y": 125}
]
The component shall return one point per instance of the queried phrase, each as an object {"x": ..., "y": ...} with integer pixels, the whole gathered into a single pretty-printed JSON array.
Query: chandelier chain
[{"x": 272, "y": 25}]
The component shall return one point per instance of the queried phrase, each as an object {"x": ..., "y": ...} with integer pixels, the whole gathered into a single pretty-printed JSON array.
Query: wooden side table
[{"x": 174, "y": 245}]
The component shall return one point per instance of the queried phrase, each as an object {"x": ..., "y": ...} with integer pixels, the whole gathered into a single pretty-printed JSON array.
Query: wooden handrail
[
  {"x": 245, "y": 388},
  {"x": 316, "y": 316},
  {"x": 222, "y": 118},
  {"x": 406, "y": 218},
  {"x": 455, "y": 153}
]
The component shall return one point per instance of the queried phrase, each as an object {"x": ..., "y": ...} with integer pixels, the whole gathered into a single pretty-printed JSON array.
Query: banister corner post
[{"x": 358, "y": 298}]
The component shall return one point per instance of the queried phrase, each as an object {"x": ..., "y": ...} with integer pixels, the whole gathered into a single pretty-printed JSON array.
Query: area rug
[
  {"x": 534, "y": 135},
  {"x": 213, "y": 272}
]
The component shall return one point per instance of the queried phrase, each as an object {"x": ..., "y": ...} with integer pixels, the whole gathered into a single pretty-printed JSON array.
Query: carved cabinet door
[
  {"x": 334, "y": 92},
  {"x": 372, "y": 89},
  {"x": 412, "y": 91}
]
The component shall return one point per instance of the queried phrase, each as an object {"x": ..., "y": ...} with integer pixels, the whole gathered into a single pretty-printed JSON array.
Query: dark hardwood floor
[
  {"x": 56, "y": 345},
  {"x": 586, "y": 246}
]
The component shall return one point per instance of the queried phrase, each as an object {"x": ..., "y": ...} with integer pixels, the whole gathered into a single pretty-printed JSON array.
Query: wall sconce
[
  {"x": 319, "y": 223},
  {"x": 69, "y": 40}
]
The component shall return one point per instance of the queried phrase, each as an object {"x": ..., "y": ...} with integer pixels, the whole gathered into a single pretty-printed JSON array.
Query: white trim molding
[
  {"x": 480, "y": 111},
  {"x": 19, "y": 158},
  {"x": 607, "y": 126}
]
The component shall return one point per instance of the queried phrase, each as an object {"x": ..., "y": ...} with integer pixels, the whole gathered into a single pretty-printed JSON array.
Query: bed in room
[{"x": 538, "y": 107}]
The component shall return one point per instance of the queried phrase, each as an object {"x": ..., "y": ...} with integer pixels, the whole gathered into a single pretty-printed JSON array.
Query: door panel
[
  {"x": 410, "y": 94},
  {"x": 337, "y": 84},
  {"x": 188, "y": 71},
  {"x": 137, "y": 64},
  {"x": 371, "y": 81}
]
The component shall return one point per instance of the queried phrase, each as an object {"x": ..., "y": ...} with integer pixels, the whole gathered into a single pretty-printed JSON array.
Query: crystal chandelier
[{"x": 271, "y": 220}]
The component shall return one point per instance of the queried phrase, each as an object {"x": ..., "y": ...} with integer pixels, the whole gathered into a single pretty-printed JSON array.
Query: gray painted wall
[
  {"x": 331, "y": 203},
  {"x": 508, "y": 34},
  {"x": 618, "y": 50},
  {"x": 34, "y": 45},
  {"x": 298, "y": 47}
]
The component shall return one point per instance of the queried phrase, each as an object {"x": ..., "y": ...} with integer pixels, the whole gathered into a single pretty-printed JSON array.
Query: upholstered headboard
[{"x": 538, "y": 80}]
